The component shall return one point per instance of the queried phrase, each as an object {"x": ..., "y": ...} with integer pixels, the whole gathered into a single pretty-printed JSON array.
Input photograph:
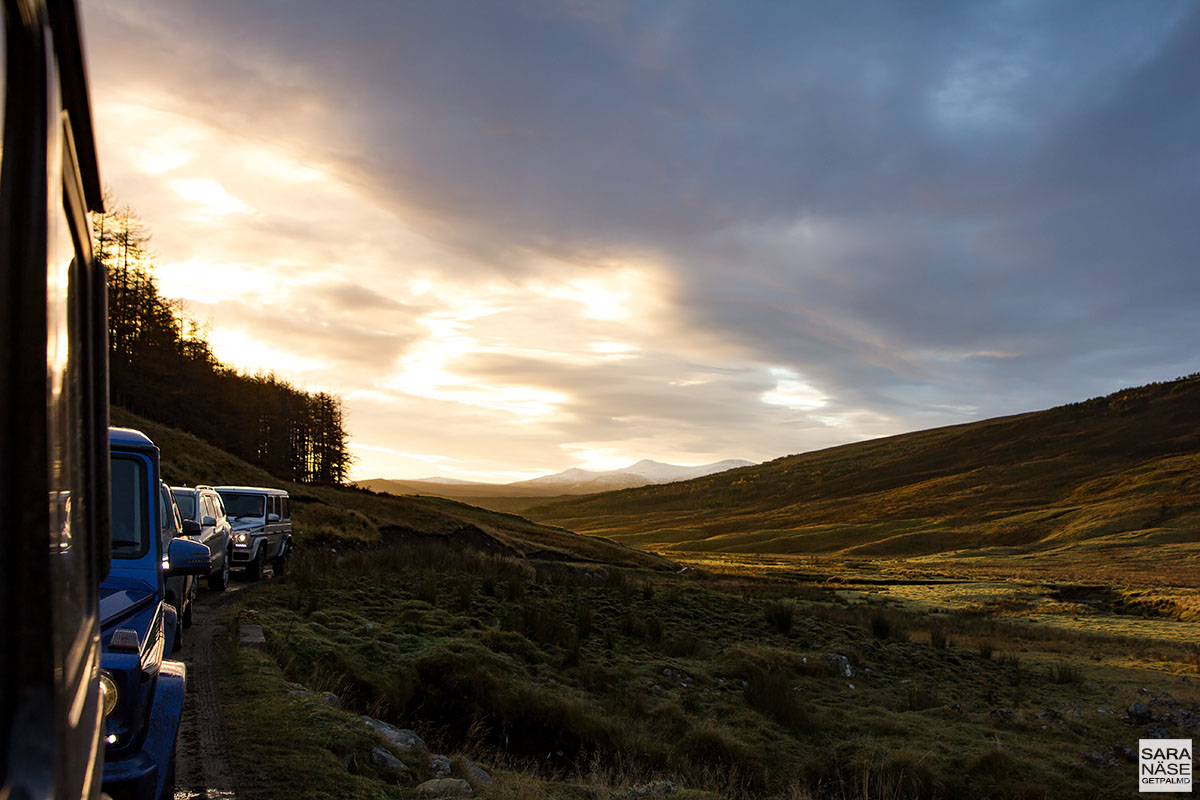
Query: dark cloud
[{"x": 927, "y": 210}]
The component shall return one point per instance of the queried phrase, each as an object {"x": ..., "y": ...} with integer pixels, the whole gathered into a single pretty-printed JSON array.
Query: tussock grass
[{"x": 583, "y": 685}]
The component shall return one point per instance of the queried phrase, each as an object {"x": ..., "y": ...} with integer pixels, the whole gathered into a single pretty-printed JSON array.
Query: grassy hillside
[
  {"x": 635, "y": 684},
  {"x": 344, "y": 517},
  {"x": 1112, "y": 472}
]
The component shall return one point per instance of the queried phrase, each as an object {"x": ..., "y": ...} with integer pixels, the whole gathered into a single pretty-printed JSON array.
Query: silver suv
[{"x": 204, "y": 506}]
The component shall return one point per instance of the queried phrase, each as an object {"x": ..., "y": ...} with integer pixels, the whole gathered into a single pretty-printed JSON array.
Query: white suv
[
  {"x": 202, "y": 505},
  {"x": 262, "y": 527}
]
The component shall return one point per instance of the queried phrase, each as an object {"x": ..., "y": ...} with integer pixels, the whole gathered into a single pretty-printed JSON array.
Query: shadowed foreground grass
[{"x": 579, "y": 680}]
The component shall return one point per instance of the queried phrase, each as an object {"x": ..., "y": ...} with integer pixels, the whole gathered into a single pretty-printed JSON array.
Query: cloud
[{"x": 514, "y": 234}]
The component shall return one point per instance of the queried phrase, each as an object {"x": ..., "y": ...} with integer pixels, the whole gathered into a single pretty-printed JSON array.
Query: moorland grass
[{"x": 583, "y": 684}]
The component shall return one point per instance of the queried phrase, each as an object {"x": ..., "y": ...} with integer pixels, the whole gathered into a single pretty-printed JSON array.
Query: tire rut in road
[{"x": 203, "y": 770}]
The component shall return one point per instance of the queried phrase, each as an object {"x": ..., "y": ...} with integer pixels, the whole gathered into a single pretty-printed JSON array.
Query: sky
[{"x": 519, "y": 237}]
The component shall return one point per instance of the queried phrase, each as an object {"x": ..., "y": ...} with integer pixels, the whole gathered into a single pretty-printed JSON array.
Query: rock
[
  {"x": 477, "y": 774},
  {"x": 299, "y": 692},
  {"x": 1002, "y": 714},
  {"x": 1139, "y": 712},
  {"x": 1091, "y": 687},
  {"x": 1097, "y": 758},
  {"x": 651, "y": 789},
  {"x": 1105, "y": 710},
  {"x": 383, "y": 758},
  {"x": 403, "y": 740},
  {"x": 1126, "y": 752},
  {"x": 839, "y": 664},
  {"x": 1157, "y": 730},
  {"x": 1049, "y": 714},
  {"x": 1185, "y": 719},
  {"x": 439, "y": 766},
  {"x": 443, "y": 787},
  {"x": 331, "y": 699},
  {"x": 251, "y": 636}
]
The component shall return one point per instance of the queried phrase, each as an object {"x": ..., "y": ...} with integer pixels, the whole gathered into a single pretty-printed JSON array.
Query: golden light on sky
[{"x": 848, "y": 226}]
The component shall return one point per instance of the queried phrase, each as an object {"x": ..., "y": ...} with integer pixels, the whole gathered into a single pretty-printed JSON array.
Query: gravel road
[{"x": 203, "y": 770}]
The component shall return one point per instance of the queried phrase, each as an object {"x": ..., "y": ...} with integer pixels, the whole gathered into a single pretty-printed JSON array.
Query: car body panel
[{"x": 142, "y": 729}]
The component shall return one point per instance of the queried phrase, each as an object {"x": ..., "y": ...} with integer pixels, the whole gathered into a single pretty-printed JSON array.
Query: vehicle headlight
[
  {"x": 108, "y": 693},
  {"x": 242, "y": 537}
]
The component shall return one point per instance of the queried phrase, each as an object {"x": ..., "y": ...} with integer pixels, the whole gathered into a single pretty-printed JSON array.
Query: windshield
[
  {"x": 243, "y": 505},
  {"x": 130, "y": 525},
  {"x": 187, "y": 504}
]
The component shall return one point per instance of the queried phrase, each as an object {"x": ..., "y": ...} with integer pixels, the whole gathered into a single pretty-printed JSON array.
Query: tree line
[{"x": 161, "y": 366}]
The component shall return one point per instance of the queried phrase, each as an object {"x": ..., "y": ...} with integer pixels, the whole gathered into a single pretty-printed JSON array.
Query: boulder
[
  {"x": 1139, "y": 712},
  {"x": 840, "y": 665},
  {"x": 404, "y": 740},
  {"x": 443, "y": 787},
  {"x": 439, "y": 766},
  {"x": 331, "y": 699},
  {"x": 383, "y": 758},
  {"x": 651, "y": 789},
  {"x": 1185, "y": 719},
  {"x": 251, "y": 635},
  {"x": 477, "y": 774},
  {"x": 1157, "y": 730}
]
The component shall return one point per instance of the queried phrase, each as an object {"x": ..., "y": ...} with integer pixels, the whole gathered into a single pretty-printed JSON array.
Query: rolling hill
[
  {"x": 567, "y": 482},
  {"x": 1111, "y": 472},
  {"x": 344, "y": 517}
]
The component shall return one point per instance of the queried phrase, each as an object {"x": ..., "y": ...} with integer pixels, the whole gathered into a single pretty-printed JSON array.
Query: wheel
[
  {"x": 282, "y": 559},
  {"x": 168, "y": 792},
  {"x": 218, "y": 580},
  {"x": 255, "y": 570}
]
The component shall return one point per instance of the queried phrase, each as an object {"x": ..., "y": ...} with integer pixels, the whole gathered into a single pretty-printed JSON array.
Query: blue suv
[{"x": 144, "y": 692}]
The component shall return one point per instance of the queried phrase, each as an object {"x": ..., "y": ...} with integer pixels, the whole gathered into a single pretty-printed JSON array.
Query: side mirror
[
  {"x": 272, "y": 518},
  {"x": 191, "y": 528},
  {"x": 208, "y": 522},
  {"x": 185, "y": 557}
]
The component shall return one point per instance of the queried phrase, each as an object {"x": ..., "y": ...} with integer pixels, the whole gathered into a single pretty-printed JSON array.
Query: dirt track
[{"x": 203, "y": 770}]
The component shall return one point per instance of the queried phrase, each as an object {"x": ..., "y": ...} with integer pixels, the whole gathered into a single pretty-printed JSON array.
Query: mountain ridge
[
  {"x": 571, "y": 481},
  {"x": 1113, "y": 471}
]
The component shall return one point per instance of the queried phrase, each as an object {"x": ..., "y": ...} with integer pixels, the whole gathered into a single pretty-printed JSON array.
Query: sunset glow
[{"x": 844, "y": 227}]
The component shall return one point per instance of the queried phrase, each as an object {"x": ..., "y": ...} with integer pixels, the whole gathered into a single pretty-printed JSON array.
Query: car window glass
[
  {"x": 243, "y": 505},
  {"x": 128, "y": 507},
  {"x": 187, "y": 504},
  {"x": 286, "y": 509}
]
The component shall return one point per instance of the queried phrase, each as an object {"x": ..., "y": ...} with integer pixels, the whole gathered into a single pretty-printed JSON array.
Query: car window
[
  {"x": 166, "y": 517},
  {"x": 217, "y": 504},
  {"x": 187, "y": 504},
  {"x": 130, "y": 524},
  {"x": 286, "y": 509},
  {"x": 243, "y": 505}
]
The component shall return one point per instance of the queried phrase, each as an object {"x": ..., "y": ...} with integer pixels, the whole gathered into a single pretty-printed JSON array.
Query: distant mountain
[
  {"x": 643, "y": 473},
  {"x": 1101, "y": 476},
  {"x": 568, "y": 482}
]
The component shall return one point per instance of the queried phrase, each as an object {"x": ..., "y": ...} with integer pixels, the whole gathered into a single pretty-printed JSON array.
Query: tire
[
  {"x": 255, "y": 569},
  {"x": 281, "y": 562},
  {"x": 168, "y": 792},
  {"x": 218, "y": 580}
]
